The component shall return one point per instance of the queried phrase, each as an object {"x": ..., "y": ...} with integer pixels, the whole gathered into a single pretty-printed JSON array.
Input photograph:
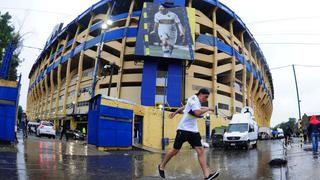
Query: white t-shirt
[
  {"x": 167, "y": 22},
  {"x": 188, "y": 121}
]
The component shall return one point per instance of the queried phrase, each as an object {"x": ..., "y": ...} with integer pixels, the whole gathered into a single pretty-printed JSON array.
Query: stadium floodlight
[
  {"x": 104, "y": 26},
  {"x": 109, "y": 22}
]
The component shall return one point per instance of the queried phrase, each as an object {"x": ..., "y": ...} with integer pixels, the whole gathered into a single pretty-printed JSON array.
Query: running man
[
  {"x": 165, "y": 23},
  {"x": 188, "y": 131}
]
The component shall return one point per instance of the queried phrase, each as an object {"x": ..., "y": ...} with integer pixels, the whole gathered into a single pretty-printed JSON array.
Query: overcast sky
[{"x": 288, "y": 32}]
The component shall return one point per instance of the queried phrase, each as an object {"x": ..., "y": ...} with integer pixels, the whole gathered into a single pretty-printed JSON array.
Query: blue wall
[
  {"x": 148, "y": 86},
  {"x": 174, "y": 88},
  {"x": 109, "y": 126},
  {"x": 7, "y": 122}
]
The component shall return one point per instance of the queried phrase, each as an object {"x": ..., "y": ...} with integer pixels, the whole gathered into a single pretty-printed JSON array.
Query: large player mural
[{"x": 166, "y": 32}]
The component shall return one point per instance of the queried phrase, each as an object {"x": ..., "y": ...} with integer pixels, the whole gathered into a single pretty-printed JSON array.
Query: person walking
[
  {"x": 64, "y": 131},
  {"x": 188, "y": 131},
  {"x": 314, "y": 126}
]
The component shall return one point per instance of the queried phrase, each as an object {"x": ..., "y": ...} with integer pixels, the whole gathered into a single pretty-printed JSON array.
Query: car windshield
[
  {"x": 47, "y": 124},
  {"x": 242, "y": 127}
]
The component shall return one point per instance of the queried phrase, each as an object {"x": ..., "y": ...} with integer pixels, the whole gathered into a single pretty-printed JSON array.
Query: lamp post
[
  {"x": 163, "y": 112},
  {"x": 111, "y": 67},
  {"x": 104, "y": 27}
]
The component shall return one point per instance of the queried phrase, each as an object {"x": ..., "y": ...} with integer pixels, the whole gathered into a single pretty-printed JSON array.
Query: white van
[{"x": 242, "y": 130}]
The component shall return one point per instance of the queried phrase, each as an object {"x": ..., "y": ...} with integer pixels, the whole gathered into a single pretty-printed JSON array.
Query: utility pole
[
  {"x": 297, "y": 90},
  {"x": 295, "y": 79}
]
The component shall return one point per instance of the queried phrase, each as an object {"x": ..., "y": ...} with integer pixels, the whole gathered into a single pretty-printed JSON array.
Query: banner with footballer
[{"x": 167, "y": 32}]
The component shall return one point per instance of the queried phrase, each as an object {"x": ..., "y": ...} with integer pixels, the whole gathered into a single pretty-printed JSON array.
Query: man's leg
[
  {"x": 316, "y": 142},
  {"x": 202, "y": 161},
  {"x": 167, "y": 157},
  {"x": 313, "y": 143},
  {"x": 61, "y": 135}
]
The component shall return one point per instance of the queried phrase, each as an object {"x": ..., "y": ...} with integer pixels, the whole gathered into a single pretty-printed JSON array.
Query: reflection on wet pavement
[{"x": 47, "y": 159}]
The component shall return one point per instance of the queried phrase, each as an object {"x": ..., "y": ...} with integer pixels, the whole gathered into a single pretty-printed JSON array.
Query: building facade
[{"x": 82, "y": 60}]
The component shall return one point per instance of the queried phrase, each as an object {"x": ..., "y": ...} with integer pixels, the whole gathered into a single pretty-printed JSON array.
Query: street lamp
[
  {"x": 111, "y": 67},
  {"x": 163, "y": 143},
  {"x": 104, "y": 27},
  {"x": 73, "y": 107}
]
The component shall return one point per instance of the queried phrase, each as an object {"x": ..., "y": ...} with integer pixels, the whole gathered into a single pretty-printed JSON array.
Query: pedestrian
[
  {"x": 84, "y": 132},
  {"x": 15, "y": 133},
  {"x": 188, "y": 131},
  {"x": 64, "y": 131},
  {"x": 287, "y": 134},
  {"x": 26, "y": 128},
  {"x": 314, "y": 126},
  {"x": 305, "y": 134}
]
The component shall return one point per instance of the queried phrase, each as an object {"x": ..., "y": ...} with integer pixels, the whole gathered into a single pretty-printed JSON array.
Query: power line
[
  {"x": 290, "y": 43},
  {"x": 280, "y": 67},
  {"x": 283, "y": 19},
  {"x": 299, "y": 65},
  {"x": 288, "y": 34},
  {"x": 32, "y": 47},
  {"x": 38, "y": 10}
]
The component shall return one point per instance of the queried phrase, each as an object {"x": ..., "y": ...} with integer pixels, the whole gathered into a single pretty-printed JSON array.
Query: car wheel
[
  {"x": 247, "y": 146},
  {"x": 255, "y": 145},
  {"x": 54, "y": 137}
]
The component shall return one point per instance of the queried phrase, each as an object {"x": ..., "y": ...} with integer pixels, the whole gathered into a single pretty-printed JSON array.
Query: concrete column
[
  {"x": 215, "y": 61},
  {"x": 233, "y": 73},
  {"x": 244, "y": 73},
  {"x": 66, "y": 88},
  {"x": 80, "y": 63},
  {"x": 123, "y": 43}
]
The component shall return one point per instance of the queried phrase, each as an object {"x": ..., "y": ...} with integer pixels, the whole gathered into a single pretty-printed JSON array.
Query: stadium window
[
  {"x": 238, "y": 97},
  {"x": 223, "y": 106}
]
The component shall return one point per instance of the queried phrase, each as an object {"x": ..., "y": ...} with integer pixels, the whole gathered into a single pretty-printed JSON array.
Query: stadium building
[{"x": 151, "y": 53}]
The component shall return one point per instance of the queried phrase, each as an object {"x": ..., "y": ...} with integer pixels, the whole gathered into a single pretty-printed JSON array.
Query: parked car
[
  {"x": 280, "y": 133},
  {"x": 46, "y": 128},
  {"x": 264, "y": 133},
  {"x": 75, "y": 134},
  {"x": 217, "y": 137}
]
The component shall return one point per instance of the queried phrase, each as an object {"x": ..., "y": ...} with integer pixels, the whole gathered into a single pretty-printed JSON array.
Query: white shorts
[{"x": 170, "y": 36}]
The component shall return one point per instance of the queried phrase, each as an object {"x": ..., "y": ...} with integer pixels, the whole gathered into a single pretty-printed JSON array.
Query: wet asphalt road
[{"x": 46, "y": 159}]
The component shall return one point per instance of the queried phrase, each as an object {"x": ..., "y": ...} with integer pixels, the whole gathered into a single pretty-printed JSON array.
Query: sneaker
[
  {"x": 161, "y": 172},
  {"x": 213, "y": 175}
]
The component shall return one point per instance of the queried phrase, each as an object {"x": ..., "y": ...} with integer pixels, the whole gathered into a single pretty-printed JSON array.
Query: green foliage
[
  {"x": 20, "y": 111},
  {"x": 292, "y": 123},
  {"x": 7, "y": 35}
]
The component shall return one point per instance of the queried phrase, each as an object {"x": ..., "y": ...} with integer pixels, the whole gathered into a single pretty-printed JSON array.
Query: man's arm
[
  {"x": 155, "y": 28},
  {"x": 201, "y": 111},
  {"x": 181, "y": 29},
  {"x": 180, "y": 111}
]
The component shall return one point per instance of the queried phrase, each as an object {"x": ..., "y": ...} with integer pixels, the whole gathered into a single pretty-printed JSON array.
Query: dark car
[
  {"x": 75, "y": 134},
  {"x": 217, "y": 138}
]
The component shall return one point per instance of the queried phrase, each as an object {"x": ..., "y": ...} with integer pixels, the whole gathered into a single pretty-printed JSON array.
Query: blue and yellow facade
[{"x": 227, "y": 60}]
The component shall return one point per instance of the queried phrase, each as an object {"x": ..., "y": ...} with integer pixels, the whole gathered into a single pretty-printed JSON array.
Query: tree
[
  {"x": 7, "y": 35},
  {"x": 20, "y": 111}
]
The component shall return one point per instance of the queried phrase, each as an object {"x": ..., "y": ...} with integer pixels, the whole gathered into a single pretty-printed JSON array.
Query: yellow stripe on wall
[
  {"x": 192, "y": 22},
  {"x": 147, "y": 51},
  {"x": 146, "y": 38}
]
